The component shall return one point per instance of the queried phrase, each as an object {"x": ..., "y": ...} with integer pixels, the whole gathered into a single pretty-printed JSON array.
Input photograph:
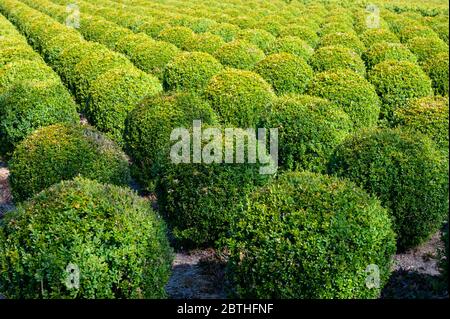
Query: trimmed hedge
[
  {"x": 205, "y": 42},
  {"x": 437, "y": 67},
  {"x": 178, "y": 36},
  {"x": 405, "y": 172},
  {"x": 19, "y": 52},
  {"x": 303, "y": 32},
  {"x": 413, "y": 31},
  {"x": 227, "y": 31},
  {"x": 347, "y": 40},
  {"x": 61, "y": 152},
  {"x": 190, "y": 71},
  {"x": 337, "y": 57},
  {"x": 117, "y": 242},
  {"x": 350, "y": 91},
  {"x": 309, "y": 236},
  {"x": 258, "y": 37},
  {"x": 29, "y": 105},
  {"x": 425, "y": 48},
  {"x": 373, "y": 36},
  {"x": 291, "y": 44},
  {"x": 239, "y": 97},
  {"x": 148, "y": 128},
  {"x": 286, "y": 72},
  {"x": 309, "y": 128},
  {"x": 116, "y": 92},
  {"x": 398, "y": 81},
  {"x": 239, "y": 54},
  {"x": 383, "y": 51}
]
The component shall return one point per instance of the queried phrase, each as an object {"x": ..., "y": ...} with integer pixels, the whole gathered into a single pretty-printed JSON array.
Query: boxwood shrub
[
  {"x": 407, "y": 174},
  {"x": 303, "y": 32},
  {"x": 239, "y": 97},
  {"x": 309, "y": 236},
  {"x": 190, "y": 71},
  {"x": 333, "y": 27},
  {"x": 19, "y": 52},
  {"x": 350, "y": 91},
  {"x": 107, "y": 233},
  {"x": 437, "y": 67},
  {"x": 345, "y": 39},
  {"x": 383, "y": 51},
  {"x": 398, "y": 81},
  {"x": 258, "y": 37},
  {"x": 309, "y": 128},
  {"x": 286, "y": 72},
  {"x": 426, "y": 47},
  {"x": 239, "y": 54},
  {"x": 178, "y": 36},
  {"x": 372, "y": 36},
  {"x": 291, "y": 44},
  {"x": 204, "y": 42},
  {"x": 336, "y": 57},
  {"x": 61, "y": 152},
  {"x": 413, "y": 31},
  {"x": 227, "y": 31}
]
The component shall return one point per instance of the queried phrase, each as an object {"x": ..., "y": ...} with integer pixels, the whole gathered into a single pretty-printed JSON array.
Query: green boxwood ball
[
  {"x": 413, "y": 31},
  {"x": 350, "y": 91},
  {"x": 239, "y": 54},
  {"x": 309, "y": 236},
  {"x": 309, "y": 128},
  {"x": 286, "y": 72},
  {"x": 373, "y": 36},
  {"x": 261, "y": 38},
  {"x": 427, "y": 115},
  {"x": 303, "y": 32},
  {"x": 114, "y": 94},
  {"x": 239, "y": 97},
  {"x": 190, "y": 71},
  {"x": 18, "y": 53},
  {"x": 405, "y": 172},
  {"x": 383, "y": 51},
  {"x": 227, "y": 31},
  {"x": 437, "y": 69},
  {"x": 178, "y": 36},
  {"x": 426, "y": 47},
  {"x": 107, "y": 234},
  {"x": 127, "y": 44},
  {"x": 293, "y": 45},
  {"x": 61, "y": 152},
  {"x": 348, "y": 40},
  {"x": 29, "y": 105},
  {"x": 398, "y": 81},
  {"x": 205, "y": 42},
  {"x": 333, "y": 27},
  {"x": 148, "y": 128},
  {"x": 337, "y": 57}
]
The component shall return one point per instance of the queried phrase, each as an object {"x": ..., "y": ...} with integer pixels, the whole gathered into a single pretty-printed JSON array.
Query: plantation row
[{"x": 363, "y": 147}]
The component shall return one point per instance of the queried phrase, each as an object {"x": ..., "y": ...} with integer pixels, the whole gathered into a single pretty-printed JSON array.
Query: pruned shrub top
[
  {"x": 239, "y": 54},
  {"x": 337, "y": 57},
  {"x": 303, "y": 32},
  {"x": 205, "y": 42},
  {"x": 377, "y": 35},
  {"x": 291, "y": 44},
  {"x": 345, "y": 39},
  {"x": 261, "y": 38},
  {"x": 383, "y": 51},
  {"x": 426, "y": 47},
  {"x": 437, "y": 67},
  {"x": 178, "y": 36}
]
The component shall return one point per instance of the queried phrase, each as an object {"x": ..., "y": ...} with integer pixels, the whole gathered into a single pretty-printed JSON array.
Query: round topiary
[
  {"x": 286, "y": 72},
  {"x": 309, "y": 128},
  {"x": 29, "y": 105},
  {"x": 383, "y": 51},
  {"x": 239, "y": 54},
  {"x": 61, "y": 152},
  {"x": 303, "y": 32},
  {"x": 310, "y": 236},
  {"x": 190, "y": 71},
  {"x": 149, "y": 126},
  {"x": 205, "y": 42},
  {"x": 82, "y": 239},
  {"x": 347, "y": 40},
  {"x": 239, "y": 97},
  {"x": 373, "y": 36},
  {"x": 333, "y": 27},
  {"x": 56, "y": 45},
  {"x": 178, "y": 36},
  {"x": 398, "y": 81},
  {"x": 116, "y": 92},
  {"x": 351, "y": 92},
  {"x": 337, "y": 57},
  {"x": 424, "y": 48},
  {"x": 127, "y": 44},
  {"x": 293, "y": 45},
  {"x": 429, "y": 116},
  {"x": 413, "y": 31},
  {"x": 270, "y": 23},
  {"x": 437, "y": 67},
  {"x": 227, "y": 31},
  {"x": 258, "y": 37},
  {"x": 407, "y": 174}
]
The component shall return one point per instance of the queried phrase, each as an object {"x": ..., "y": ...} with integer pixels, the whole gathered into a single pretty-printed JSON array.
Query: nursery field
[{"x": 261, "y": 149}]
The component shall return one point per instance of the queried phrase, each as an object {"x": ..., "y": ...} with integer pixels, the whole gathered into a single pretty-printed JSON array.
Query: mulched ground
[{"x": 199, "y": 274}]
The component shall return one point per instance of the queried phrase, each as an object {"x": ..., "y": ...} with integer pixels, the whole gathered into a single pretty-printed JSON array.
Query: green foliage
[
  {"x": 345, "y": 39},
  {"x": 413, "y": 31},
  {"x": 437, "y": 67},
  {"x": 178, "y": 36},
  {"x": 227, "y": 31},
  {"x": 407, "y": 174},
  {"x": 309, "y": 128},
  {"x": 204, "y": 42},
  {"x": 239, "y": 54},
  {"x": 261, "y": 38},
  {"x": 350, "y": 91},
  {"x": 61, "y": 152},
  {"x": 291, "y": 44},
  {"x": 239, "y": 97},
  {"x": 115, "y": 239},
  {"x": 398, "y": 81},
  {"x": 190, "y": 71},
  {"x": 309, "y": 236},
  {"x": 337, "y": 57},
  {"x": 16, "y": 53},
  {"x": 373, "y": 36},
  {"x": 303, "y": 32},
  {"x": 286, "y": 72},
  {"x": 383, "y": 51},
  {"x": 426, "y": 47}
]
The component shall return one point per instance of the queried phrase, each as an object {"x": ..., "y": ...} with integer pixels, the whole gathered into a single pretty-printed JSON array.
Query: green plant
[
  {"x": 291, "y": 44},
  {"x": 286, "y": 72},
  {"x": 107, "y": 233},
  {"x": 407, "y": 174},
  {"x": 303, "y": 32},
  {"x": 350, "y": 91},
  {"x": 383, "y": 51},
  {"x": 16, "y": 53},
  {"x": 190, "y": 71},
  {"x": 205, "y": 42},
  {"x": 398, "y": 81},
  {"x": 337, "y": 57},
  {"x": 309, "y": 236},
  {"x": 239, "y": 97},
  {"x": 61, "y": 152},
  {"x": 178, "y": 36},
  {"x": 377, "y": 35},
  {"x": 437, "y": 67},
  {"x": 227, "y": 31},
  {"x": 426, "y": 47},
  {"x": 258, "y": 37},
  {"x": 345, "y": 39},
  {"x": 239, "y": 54},
  {"x": 413, "y": 31}
]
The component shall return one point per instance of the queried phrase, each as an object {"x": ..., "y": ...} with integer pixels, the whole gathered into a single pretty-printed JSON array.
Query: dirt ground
[{"x": 199, "y": 274}]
